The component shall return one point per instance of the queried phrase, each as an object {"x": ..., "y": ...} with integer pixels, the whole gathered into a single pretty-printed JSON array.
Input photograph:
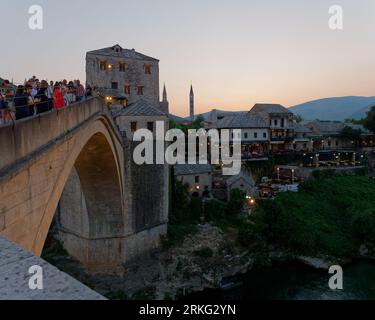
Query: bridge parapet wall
[{"x": 21, "y": 140}]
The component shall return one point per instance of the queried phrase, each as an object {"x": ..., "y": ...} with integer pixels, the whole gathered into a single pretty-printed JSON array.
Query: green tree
[
  {"x": 352, "y": 134},
  {"x": 369, "y": 121},
  {"x": 236, "y": 202},
  {"x": 298, "y": 118}
]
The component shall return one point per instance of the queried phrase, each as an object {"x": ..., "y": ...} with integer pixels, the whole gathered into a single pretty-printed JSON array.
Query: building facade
[
  {"x": 198, "y": 177},
  {"x": 126, "y": 73}
]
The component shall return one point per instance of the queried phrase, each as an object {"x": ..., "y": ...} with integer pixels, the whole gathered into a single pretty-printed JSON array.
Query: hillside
[{"x": 339, "y": 108}]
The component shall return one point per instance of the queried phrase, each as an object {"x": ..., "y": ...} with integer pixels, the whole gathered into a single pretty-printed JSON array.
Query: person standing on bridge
[
  {"x": 5, "y": 113},
  {"x": 44, "y": 103},
  {"x": 80, "y": 89},
  {"x": 21, "y": 103},
  {"x": 58, "y": 97}
]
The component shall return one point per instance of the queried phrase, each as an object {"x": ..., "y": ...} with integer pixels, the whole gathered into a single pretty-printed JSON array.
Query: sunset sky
[{"x": 235, "y": 52}]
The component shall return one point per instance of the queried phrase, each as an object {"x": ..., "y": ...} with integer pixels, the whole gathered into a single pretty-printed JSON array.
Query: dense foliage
[
  {"x": 369, "y": 121},
  {"x": 330, "y": 215},
  {"x": 186, "y": 213}
]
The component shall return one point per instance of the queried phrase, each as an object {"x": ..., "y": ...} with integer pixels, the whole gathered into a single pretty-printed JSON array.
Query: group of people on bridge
[{"x": 36, "y": 97}]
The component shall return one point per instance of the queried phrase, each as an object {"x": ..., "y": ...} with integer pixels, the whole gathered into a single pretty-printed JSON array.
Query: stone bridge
[{"x": 73, "y": 166}]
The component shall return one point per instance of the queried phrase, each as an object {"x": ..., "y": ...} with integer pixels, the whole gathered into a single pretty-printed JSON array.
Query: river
[{"x": 299, "y": 282}]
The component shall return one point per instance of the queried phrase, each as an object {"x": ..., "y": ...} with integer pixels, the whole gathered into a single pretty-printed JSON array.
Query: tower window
[
  {"x": 147, "y": 69},
  {"x": 103, "y": 65},
  {"x": 115, "y": 85},
  {"x": 140, "y": 90},
  {"x": 127, "y": 89},
  {"x": 133, "y": 126},
  {"x": 122, "y": 66}
]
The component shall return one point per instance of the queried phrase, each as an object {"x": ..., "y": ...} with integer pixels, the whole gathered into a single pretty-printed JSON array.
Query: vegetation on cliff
[{"x": 330, "y": 215}]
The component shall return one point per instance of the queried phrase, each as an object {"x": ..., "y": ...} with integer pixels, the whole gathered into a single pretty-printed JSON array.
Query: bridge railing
[{"x": 20, "y": 140}]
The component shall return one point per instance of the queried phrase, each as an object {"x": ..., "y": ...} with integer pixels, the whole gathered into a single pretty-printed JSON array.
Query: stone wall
[{"x": 134, "y": 76}]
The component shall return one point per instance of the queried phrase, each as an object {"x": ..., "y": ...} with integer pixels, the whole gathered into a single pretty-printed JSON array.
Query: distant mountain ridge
[
  {"x": 338, "y": 108},
  {"x": 328, "y": 109}
]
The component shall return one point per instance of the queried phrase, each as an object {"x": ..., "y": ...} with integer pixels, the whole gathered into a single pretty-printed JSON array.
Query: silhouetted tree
[{"x": 369, "y": 121}]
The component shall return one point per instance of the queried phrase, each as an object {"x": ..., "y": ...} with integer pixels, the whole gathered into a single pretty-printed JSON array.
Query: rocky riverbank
[{"x": 200, "y": 262}]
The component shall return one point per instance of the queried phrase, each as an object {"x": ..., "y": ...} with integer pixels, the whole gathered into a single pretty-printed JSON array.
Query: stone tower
[
  {"x": 124, "y": 72},
  {"x": 192, "y": 114}
]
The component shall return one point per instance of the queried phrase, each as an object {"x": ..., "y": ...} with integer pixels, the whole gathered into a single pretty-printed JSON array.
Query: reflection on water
[{"x": 298, "y": 282}]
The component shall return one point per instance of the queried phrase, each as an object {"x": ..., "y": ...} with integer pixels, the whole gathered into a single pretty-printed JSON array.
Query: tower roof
[
  {"x": 118, "y": 51},
  {"x": 165, "y": 96},
  {"x": 191, "y": 89}
]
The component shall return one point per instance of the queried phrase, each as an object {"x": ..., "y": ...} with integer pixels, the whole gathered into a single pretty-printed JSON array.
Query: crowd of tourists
[{"x": 36, "y": 97}]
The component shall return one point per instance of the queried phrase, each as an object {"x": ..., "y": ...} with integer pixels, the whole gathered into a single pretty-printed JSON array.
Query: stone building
[
  {"x": 280, "y": 121},
  {"x": 255, "y": 138},
  {"x": 127, "y": 73},
  {"x": 197, "y": 176},
  {"x": 302, "y": 141},
  {"x": 327, "y": 134},
  {"x": 243, "y": 181}
]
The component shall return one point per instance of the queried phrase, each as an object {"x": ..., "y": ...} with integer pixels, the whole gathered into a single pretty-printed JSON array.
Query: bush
[
  {"x": 214, "y": 210},
  {"x": 236, "y": 202}
]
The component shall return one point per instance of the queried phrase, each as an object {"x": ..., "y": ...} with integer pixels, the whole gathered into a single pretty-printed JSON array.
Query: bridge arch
[
  {"x": 93, "y": 156},
  {"x": 84, "y": 140}
]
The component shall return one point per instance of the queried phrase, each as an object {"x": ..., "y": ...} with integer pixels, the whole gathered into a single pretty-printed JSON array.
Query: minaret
[
  {"x": 165, "y": 104},
  {"x": 192, "y": 114},
  {"x": 165, "y": 98}
]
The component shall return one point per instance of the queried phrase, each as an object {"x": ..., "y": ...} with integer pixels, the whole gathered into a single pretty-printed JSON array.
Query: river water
[{"x": 299, "y": 282}]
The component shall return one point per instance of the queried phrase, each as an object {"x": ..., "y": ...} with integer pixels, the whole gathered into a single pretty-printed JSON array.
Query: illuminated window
[
  {"x": 103, "y": 65},
  {"x": 140, "y": 90},
  {"x": 122, "y": 66},
  {"x": 127, "y": 89},
  {"x": 147, "y": 69}
]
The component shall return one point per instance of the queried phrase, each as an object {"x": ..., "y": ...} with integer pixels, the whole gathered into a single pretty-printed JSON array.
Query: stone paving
[{"x": 14, "y": 278}]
